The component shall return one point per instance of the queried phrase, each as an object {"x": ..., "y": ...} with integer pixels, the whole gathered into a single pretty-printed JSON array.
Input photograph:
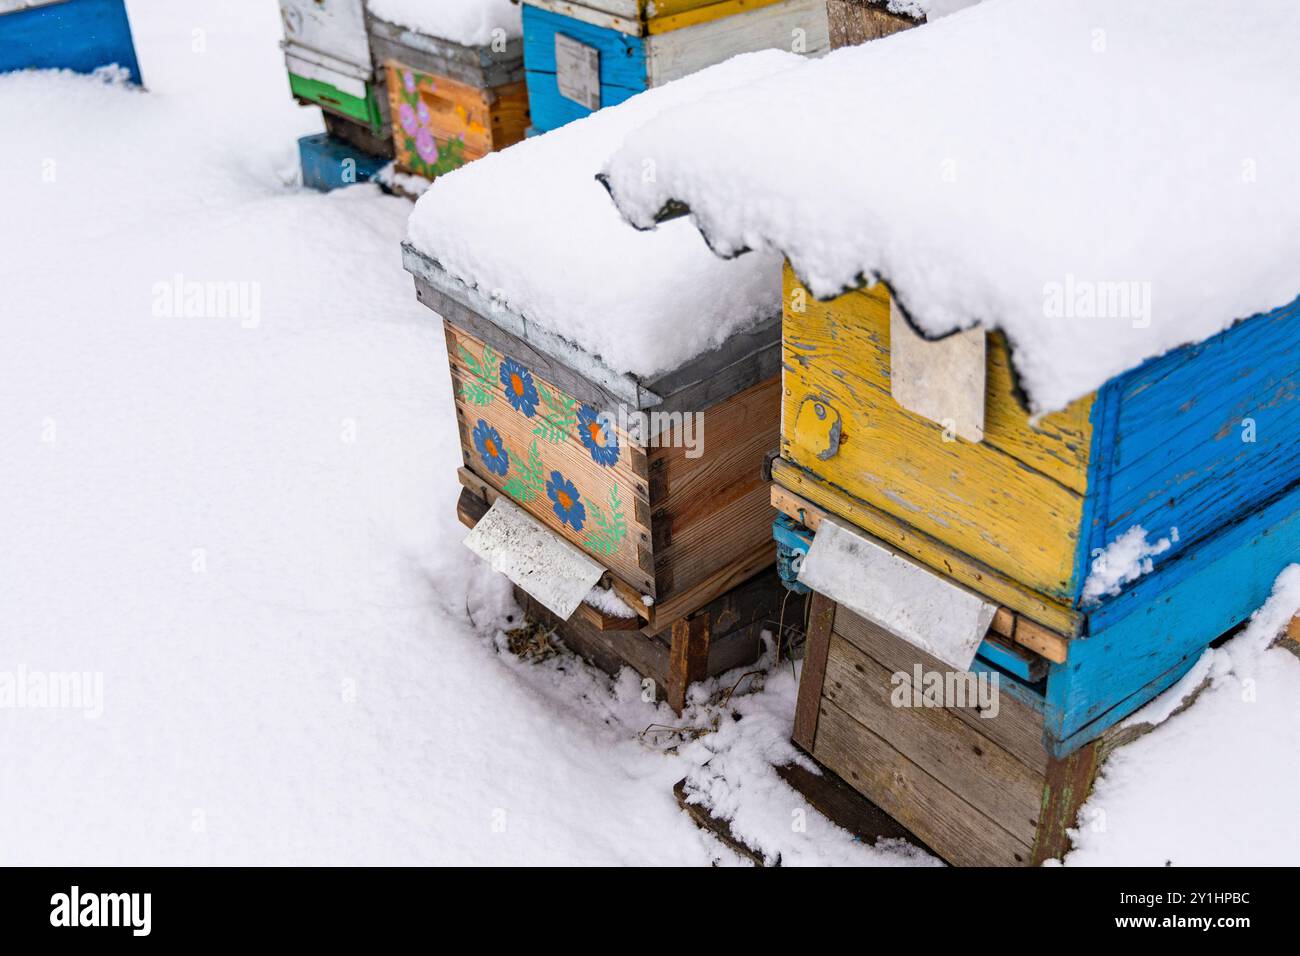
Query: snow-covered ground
[{"x": 246, "y": 525}]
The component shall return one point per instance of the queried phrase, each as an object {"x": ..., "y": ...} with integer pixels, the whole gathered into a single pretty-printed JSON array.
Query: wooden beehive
[
  {"x": 450, "y": 103},
  {"x": 584, "y": 56},
  {"x": 78, "y": 35},
  {"x": 678, "y": 529},
  {"x": 1199, "y": 447},
  {"x": 327, "y": 54}
]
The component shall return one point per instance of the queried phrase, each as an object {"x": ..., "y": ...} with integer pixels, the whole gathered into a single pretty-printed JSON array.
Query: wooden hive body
[
  {"x": 78, "y": 35},
  {"x": 662, "y": 520},
  {"x": 469, "y": 100},
  {"x": 1204, "y": 439},
  {"x": 974, "y": 782},
  {"x": 638, "y": 45},
  {"x": 327, "y": 54}
]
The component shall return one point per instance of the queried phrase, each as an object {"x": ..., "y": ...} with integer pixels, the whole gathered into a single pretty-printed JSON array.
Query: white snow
[
  {"x": 930, "y": 10},
  {"x": 468, "y": 22},
  {"x": 532, "y": 229},
  {"x": 607, "y": 601},
  {"x": 242, "y": 527},
  {"x": 1103, "y": 180},
  {"x": 1214, "y": 784},
  {"x": 1123, "y": 561}
]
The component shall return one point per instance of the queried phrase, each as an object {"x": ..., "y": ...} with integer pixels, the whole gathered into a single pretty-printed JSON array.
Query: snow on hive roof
[
  {"x": 531, "y": 228},
  {"x": 1101, "y": 179},
  {"x": 469, "y": 22}
]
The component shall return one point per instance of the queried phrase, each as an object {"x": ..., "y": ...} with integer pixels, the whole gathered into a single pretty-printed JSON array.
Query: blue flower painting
[
  {"x": 488, "y": 442},
  {"x": 520, "y": 391},
  {"x": 597, "y": 433},
  {"x": 565, "y": 500}
]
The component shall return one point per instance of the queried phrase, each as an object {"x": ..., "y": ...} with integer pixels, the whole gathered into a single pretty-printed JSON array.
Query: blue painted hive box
[
  {"x": 78, "y": 35},
  {"x": 580, "y": 57}
]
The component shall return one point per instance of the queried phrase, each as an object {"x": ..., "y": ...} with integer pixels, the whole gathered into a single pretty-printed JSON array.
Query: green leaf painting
[
  {"x": 483, "y": 375},
  {"x": 559, "y": 418},
  {"x": 610, "y": 528},
  {"x": 527, "y": 478}
]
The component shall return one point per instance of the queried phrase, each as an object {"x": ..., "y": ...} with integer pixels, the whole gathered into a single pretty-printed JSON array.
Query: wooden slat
[
  {"x": 688, "y": 657},
  {"x": 938, "y": 817},
  {"x": 821, "y": 615},
  {"x": 1018, "y": 727},
  {"x": 664, "y": 615},
  {"x": 1054, "y": 647},
  {"x": 709, "y": 509},
  {"x": 1069, "y": 781},
  {"x": 954, "y": 752}
]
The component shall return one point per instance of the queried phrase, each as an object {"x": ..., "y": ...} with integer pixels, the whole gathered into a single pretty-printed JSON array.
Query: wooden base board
[
  {"x": 720, "y": 828},
  {"x": 693, "y": 655}
]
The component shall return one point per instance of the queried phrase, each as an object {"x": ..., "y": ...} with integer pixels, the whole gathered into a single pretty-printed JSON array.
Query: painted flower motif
[
  {"x": 517, "y": 381},
  {"x": 408, "y": 81},
  {"x": 565, "y": 500},
  {"x": 407, "y": 117},
  {"x": 597, "y": 433},
  {"x": 422, "y": 111},
  {"x": 425, "y": 146},
  {"x": 490, "y": 447}
]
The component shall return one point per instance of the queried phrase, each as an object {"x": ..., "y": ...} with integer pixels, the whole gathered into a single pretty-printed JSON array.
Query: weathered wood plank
[
  {"x": 954, "y": 752},
  {"x": 1018, "y": 727},
  {"x": 936, "y": 815},
  {"x": 1069, "y": 781},
  {"x": 688, "y": 657},
  {"x": 821, "y": 615}
]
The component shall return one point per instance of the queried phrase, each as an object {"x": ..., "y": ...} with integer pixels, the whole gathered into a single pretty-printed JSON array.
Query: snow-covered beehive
[
  {"x": 79, "y": 35},
  {"x": 581, "y": 56},
  {"x": 1040, "y": 413},
  {"x": 620, "y": 388},
  {"x": 455, "y": 79},
  {"x": 327, "y": 53}
]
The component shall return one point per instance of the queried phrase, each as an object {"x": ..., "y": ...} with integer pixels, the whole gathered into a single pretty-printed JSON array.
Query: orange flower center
[
  {"x": 565, "y": 501},
  {"x": 491, "y": 447},
  {"x": 597, "y": 435},
  {"x": 516, "y": 383}
]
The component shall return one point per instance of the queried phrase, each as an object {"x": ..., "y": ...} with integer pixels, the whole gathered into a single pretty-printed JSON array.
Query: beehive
[
  {"x": 1174, "y": 447},
  {"x": 450, "y": 103},
  {"x": 327, "y": 54},
  {"x": 677, "y": 531},
  {"x": 584, "y": 56},
  {"x": 78, "y": 35}
]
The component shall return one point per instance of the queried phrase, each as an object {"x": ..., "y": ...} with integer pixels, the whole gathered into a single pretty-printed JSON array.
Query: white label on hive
[
  {"x": 941, "y": 380},
  {"x": 928, "y": 611},
  {"x": 577, "y": 71},
  {"x": 534, "y": 557}
]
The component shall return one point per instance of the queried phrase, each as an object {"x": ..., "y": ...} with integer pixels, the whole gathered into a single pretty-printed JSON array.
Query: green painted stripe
[{"x": 330, "y": 97}]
